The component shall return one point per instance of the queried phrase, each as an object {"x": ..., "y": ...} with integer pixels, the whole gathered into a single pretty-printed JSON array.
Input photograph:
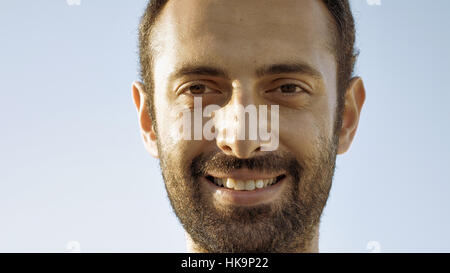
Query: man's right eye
[{"x": 198, "y": 89}]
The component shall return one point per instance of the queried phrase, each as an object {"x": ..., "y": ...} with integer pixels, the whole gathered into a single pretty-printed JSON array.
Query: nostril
[{"x": 226, "y": 148}]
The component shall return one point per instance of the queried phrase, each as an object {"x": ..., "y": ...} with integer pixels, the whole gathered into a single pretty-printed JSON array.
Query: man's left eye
[{"x": 289, "y": 88}]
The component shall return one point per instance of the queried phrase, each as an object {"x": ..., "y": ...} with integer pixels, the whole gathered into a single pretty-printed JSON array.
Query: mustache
[{"x": 271, "y": 162}]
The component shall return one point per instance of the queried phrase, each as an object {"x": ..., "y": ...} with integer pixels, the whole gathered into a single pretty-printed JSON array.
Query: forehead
[{"x": 238, "y": 33}]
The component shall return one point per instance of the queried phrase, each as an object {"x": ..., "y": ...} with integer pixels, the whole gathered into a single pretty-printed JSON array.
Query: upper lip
[{"x": 245, "y": 174}]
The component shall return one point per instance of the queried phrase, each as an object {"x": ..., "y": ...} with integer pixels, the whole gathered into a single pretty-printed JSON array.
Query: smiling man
[{"x": 296, "y": 56}]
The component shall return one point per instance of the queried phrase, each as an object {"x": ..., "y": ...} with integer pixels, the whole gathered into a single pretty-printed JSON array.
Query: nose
[
  {"x": 238, "y": 133},
  {"x": 239, "y": 148}
]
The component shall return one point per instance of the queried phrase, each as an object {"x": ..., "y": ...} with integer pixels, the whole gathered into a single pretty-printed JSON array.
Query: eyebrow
[
  {"x": 198, "y": 70},
  {"x": 282, "y": 68},
  {"x": 288, "y": 68}
]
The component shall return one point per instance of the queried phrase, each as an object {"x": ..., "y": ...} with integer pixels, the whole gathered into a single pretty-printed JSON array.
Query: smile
[{"x": 244, "y": 185}]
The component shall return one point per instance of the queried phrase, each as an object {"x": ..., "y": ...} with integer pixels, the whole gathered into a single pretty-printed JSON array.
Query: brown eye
[
  {"x": 290, "y": 88},
  {"x": 197, "y": 89}
]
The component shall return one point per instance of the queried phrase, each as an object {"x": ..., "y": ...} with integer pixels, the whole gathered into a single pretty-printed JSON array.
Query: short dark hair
[{"x": 344, "y": 41}]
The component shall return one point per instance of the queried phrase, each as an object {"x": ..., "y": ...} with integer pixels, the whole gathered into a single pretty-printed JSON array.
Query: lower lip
[{"x": 245, "y": 198}]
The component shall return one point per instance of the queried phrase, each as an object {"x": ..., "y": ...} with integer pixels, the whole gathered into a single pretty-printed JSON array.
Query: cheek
[
  {"x": 171, "y": 133},
  {"x": 300, "y": 131},
  {"x": 328, "y": 101},
  {"x": 297, "y": 133}
]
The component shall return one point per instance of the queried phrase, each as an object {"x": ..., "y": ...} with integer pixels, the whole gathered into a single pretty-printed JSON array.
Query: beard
[{"x": 288, "y": 224}]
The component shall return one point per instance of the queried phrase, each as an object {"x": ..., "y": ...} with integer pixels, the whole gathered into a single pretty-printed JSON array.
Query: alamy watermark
[
  {"x": 73, "y": 247},
  {"x": 73, "y": 2},
  {"x": 229, "y": 124},
  {"x": 373, "y": 247},
  {"x": 374, "y": 2}
]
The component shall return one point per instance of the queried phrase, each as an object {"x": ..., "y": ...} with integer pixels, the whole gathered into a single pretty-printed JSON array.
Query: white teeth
[
  {"x": 230, "y": 183},
  {"x": 241, "y": 185},
  {"x": 259, "y": 183},
  {"x": 250, "y": 185}
]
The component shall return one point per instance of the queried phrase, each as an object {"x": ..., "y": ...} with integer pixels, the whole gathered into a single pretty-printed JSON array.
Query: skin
[{"x": 238, "y": 38}]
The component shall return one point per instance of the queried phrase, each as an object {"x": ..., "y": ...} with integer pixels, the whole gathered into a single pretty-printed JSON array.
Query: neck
[{"x": 308, "y": 246}]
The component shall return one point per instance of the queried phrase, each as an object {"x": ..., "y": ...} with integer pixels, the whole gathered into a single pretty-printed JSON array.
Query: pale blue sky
[{"x": 73, "y": 168}]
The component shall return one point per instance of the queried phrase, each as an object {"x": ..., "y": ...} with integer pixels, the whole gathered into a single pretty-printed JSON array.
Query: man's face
[{"x": 240, "y": 38}]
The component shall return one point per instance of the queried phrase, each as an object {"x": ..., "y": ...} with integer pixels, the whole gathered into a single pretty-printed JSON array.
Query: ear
[
  {"x": 145, "y": 122},
  {"x": 354, "y": 100}
]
